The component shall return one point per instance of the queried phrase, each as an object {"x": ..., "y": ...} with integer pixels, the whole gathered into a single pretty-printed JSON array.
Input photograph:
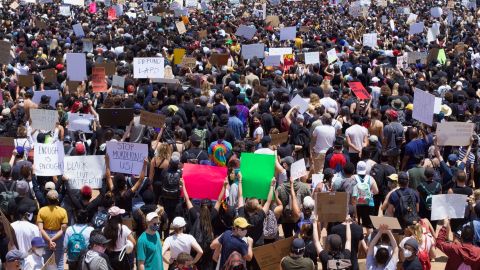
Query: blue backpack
[{"x": 76, "y": 244}]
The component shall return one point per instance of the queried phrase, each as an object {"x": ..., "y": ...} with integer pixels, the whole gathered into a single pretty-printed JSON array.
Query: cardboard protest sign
[
  {"x": 180, "y": 28},
  {"x": 280, "y": 51},
  {"x": 402, "y": 61},
  {"x": 50, "y": 264},
  {"x": 332, "y": 55},
  {"x": 65, "y": 11},
  {"x": 178, "y": 54},
  {"x": 416, "y": 28},
  {"x": 40, "y": 23},
  {"x": 203, "y": 181},
  {"x": 269, "y": 256},
  {"x": 359, "y": 91},
  {"x": 454, "y": 133},
  {"x": 7, "y": 144},
  {"x": 43, "y": 119},
  {"x": 76, "y": 66},
  {"x": 118, "y": 84},
  {"x": 48, "y": 159},
  {"x": 81, "y": 122},
  {"x": 246, "y": 31},
  {"x": 5, "y": 52},
  {"x": 112, "y": 14},
  {"x": 152, "y": 119},
  {"x": 148, "y": 67},
  {"x": 448, "y": 206},
  {"x": 126, "y": 157},
  {"x": 14, "y": 5},
  {"x": 257, "y": 173},
  {"x": 202, "y": 34},
  {"x": 253, "y": 50},
  {"x": 331, "y": 207},
  {"x": 436, "y": 12},
  {"x": 370, "y": 40},
  {"x": 26, "y": 80},
  {"x": 87, "y": 46},
  {"x": 423, "y": 106},
  {"x": 280, "y": 138},
  {"x": 78, "y": 30},
  {"x": 442, "y": 57},
  {"x": 166, "y": 81},
  {"x": 300, "y": 102},
  {"x": 288, "y": 33},
  {"x": 316, "y": 179},
  {"x": 109, "y": 67},
  {"x": 392, "y": 222},
  {"x": 53, "y": 94},
  {"x": 99, "y": 83},
  {"x": 272, "y": 20},
  {"x": 312, "y": 58},
  {"x": 115, "y": 117},
  {"x": 218, "y": 59},
  {"x": 272, "y": 60},
  {"x": 189, "y": 62},
  {"x": 75, "y": 2},
  {"x": 156, "y": 19},
  {"x": 298, "y": 169},
  {"x": 73, "y": 87},
  {"x": 412, "y": 18},
  {"x": 84, "y": 170},
  {"x": 414, "y": 57}
]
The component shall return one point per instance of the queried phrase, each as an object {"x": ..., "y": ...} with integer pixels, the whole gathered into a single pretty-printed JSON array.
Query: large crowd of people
[{"x": 370, "y": 145}]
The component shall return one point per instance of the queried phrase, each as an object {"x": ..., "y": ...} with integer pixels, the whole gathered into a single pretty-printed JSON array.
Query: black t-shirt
[
  {"x": 256, "y": 220},
  {"x": 413, "y": 264},
  {"x": 285, "y": 150},
  {"x": 357, "y": 236},
  {"x": 325, "y": 256},
  {"x": 194, "y": 155}
]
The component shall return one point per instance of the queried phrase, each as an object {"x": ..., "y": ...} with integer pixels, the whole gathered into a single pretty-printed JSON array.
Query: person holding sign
[{"x": 381, "y": 258}]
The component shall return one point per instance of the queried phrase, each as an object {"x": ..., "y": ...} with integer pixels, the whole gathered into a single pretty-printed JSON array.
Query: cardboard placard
[
  {"x": 148, "y": 67},
  {"x": 269, "y": 256},
  {"x": 76, "y": 66},
  {"x": 7, "y": 144},
  {"x": 152, "y": 119},
  {"x": 189, "y": 62},
  {"x": 118, "y": 84},
  {"x": 49, "y": 75},
  {"x": 331, "y": 207},
  {"x": 298, "y": 169},
  {"x": 448, "y": 206},
  {"x": 109, "y": 67},
  {"x": 278, "y": 139},
  {"x": 50, "y": 263},
  {"x": 217, "y": 59},
  {"x": 250, "y": 51},
  {"x": 178, "y": 54},
  {"x": 26, "y": 80},
  {"x": 300, "y": 102},
  {"x": 423, "y": 106},
  {"x": 392, "y": 222},
  {"x": 359, "y": 91},
  {"x": 181, "y": 27},
  {"x": 73, "y": 86},
  {"x": 126, "y": 157},
  {"x": 84, "y": 170},
  {"x": 48, "y": 159},
  {"x": 43, "y": 119},
  {"x": 99, "y": 83},
  {"x": 203, "y": 181},
  {"x": 115, "y": 117},
  {"x": 272, "y": 20},
  {"x": 454, "y": 133},
  {"x": 79, "y": 121},
  {"x": 202, "y": 34},
  {"x": 53, "y": 94}
]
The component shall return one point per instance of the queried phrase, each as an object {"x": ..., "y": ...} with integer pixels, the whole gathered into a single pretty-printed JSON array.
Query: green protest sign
[{"x": 257, "y": 172}]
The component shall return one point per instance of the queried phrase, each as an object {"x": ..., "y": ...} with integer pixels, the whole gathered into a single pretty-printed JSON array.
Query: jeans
[{"x": 59, "y": 251}]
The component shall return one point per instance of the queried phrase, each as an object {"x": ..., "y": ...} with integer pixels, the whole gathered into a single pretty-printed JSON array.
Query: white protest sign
[
  {"x": 436, "y": 29},
  {"x": 402, "y": 61},
  {"x": 148, "y": 67},
  {"x": 273, "y": 60},
  {"x": 412, "y": 18},
  {"x": 118, "y": 84},
  {"x": 126, "y": 157},
  {"x": 246, "y": 31},
  {"x": 299, "y": 101},
  {"x": 78, "y": 29},
  {"x": 332, "y": 55},
  {"x": 454, "y": 133},
  {"x": 430, "y": 35},
  {"x": 423, "y": 106},
  {"x": 448, "y": 206},
  {"x": 156, "y": 19},
  {"x": 84, "y": 170},
  {"x": 436, "y": 12},
  {"x": 48, "y": 159},
  {"x": 53, "y": 94},
  {"x": 181, "y": 27},
  {"x": 43, "y": 119},
  {"x": 76, "y": 67},
  {"x": 298, "y": 169},
  {"x": 252, "y": 50},
  {"x": 438, "y": 105},
  {"x": 370, "y": 40},
  {"x": 312, "y": 58},
  {"x": 65, "y": 11},
  {"x": 416, "y": 28},
  {"x": 392, "y": 24},
  {"x": 316, "y": 179},
  {"x": 74, "y": 2},
  {"x": 191, "y": 3},
  {"x": 280, "y": 51},
  {"x": 79, "y": 121},
  {"x": 288, "y": 33}
]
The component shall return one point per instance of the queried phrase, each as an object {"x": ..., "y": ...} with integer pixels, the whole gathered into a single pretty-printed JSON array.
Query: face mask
[
  {"x": 242, "y": 233},
  {"x": 154, "y": 227},
  {"x": 40, "y": 251},
  {"x": 407, "y": 253}
]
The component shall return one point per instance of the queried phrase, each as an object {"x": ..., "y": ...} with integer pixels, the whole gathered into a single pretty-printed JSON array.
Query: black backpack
[
  {"x": 407, "y": 207},
  {"x": 338, "y": 261},
  {"x": 171, "y": 185},
  {"x": 202, "y": 238}
]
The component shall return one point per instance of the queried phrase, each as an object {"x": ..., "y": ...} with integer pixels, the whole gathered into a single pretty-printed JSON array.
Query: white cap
[
  {"x": 151, "y": 216},
  {"x": 308, "y": 202},
  {"x": 178, "y": 222},
  {"x": 375, "y": 79},
  {"x": 362, "y": 168}
]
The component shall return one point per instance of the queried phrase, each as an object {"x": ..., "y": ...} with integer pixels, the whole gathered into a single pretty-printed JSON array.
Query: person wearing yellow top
[
  {"x": 52, "y": 222},
  {"x": 298, "y": 43}
]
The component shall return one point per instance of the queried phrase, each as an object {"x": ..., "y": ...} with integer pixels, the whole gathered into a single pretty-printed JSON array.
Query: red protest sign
[
  {"x": 203, "y": 181},
  {"x": 99, "y": 84},
  {"x": 359, "y": 90},
  {"x": 112, "y": 14}
]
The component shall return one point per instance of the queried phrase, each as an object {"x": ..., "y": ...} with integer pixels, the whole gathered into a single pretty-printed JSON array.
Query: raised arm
[
  {"x": 138, "y": 184},
  {"x": 185, "y": 195},
  {"x": 266, "y": 206},
  {"x": 348, "y": 243},
  {"x": 108, "y": 174},
  {"x": 221, "y": 196},
  {"x": 316, "y": 236},
  {"x": 240, "y": 191},
  {"x": 295, "y": 207}
]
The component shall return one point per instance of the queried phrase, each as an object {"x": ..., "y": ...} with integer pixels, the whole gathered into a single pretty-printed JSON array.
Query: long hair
[
  {"x": 111, "y": 230},
  {"x": 205, "y": 221}
]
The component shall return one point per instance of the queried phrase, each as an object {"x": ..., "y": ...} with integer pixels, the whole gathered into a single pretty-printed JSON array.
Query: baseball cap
[
  {"x": 412, "y": 242},
  {"x": 80, "y": 148},
  {"x": 373, "y": 138},
  {"x": 150, "y": 216},
  {"x": 38, "y": 242},
  {"x": 14, "y": 255},
  {"x": 393, "y": 177},
  {"x": 20, "y": 150},
  {"x": 178, "y": 222},
  {"x": 22, "y": 187},
  {"x": 115, "y": 211},
  {"x": 5, "y": 167},
  {"x": 361, "y": 168},
  {"x": 300, "y": 117},
  {"x": 99, "y": 239},
  {"x": 86, "y": 190},
  {"x": 308, "y": 202},
  {"x": 288, "y": 159},
  {"x": 452, "y": 158},
  {"x": 241, "y": 222},
  {"x": 52, "y": 195},
  {"x": 298, "y": 245},
  {"x": 50, "y": 185}
]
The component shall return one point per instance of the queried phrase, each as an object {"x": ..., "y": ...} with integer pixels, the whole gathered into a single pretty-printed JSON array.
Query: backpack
[
  {"x": 270, "y": 226},
  {"x": 407, "y": 211},
  {"x": 461, "y": 109},
  {"x": 202, "y": 238},
  {"x": 394, "y": 144},
  {"x": 428, "y": 199},
  {"x": 338, "y": 262},
  {"x": 171, "y": 185},
  {"x": 378, "y": 174},
  {"x": 99, "y": 219},
  {"x": 76, "y": 244},
  {"x": 202, "y": 134},
  {"x": 363, "y": 189},
  {"x": 7, "y": 196}
]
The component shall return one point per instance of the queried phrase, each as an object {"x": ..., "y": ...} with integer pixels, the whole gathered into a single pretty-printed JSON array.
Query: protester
[
  {"x": 34, "y": 259},
  {"x": 95, "y": 258},
  {"x": 149, "y": 246}
]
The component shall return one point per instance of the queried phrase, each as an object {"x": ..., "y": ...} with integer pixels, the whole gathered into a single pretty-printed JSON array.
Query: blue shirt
[
  {"x": 414, "y": 148},
  {"x": 236, "y": 126},
  {"x": 231, "y": 243}
]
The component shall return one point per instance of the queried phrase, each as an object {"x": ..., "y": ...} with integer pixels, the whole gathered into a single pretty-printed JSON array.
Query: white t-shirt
[
  {"x": 258, "y": 131},
  {"x": 78, "y": 228},
  {"x": 33, "y": 262},
  {"x": 372, "y": 265},
  {"x": 356, "y": 133},
  {"x": 25, "y": 232},
  {"x": 179, "y": 243},
  {"x": 325, "y": 137},
  {"x": 123, "y": 233},
  {"x": 266, "y": 151},
  {"x": 328, "y": 103}
]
